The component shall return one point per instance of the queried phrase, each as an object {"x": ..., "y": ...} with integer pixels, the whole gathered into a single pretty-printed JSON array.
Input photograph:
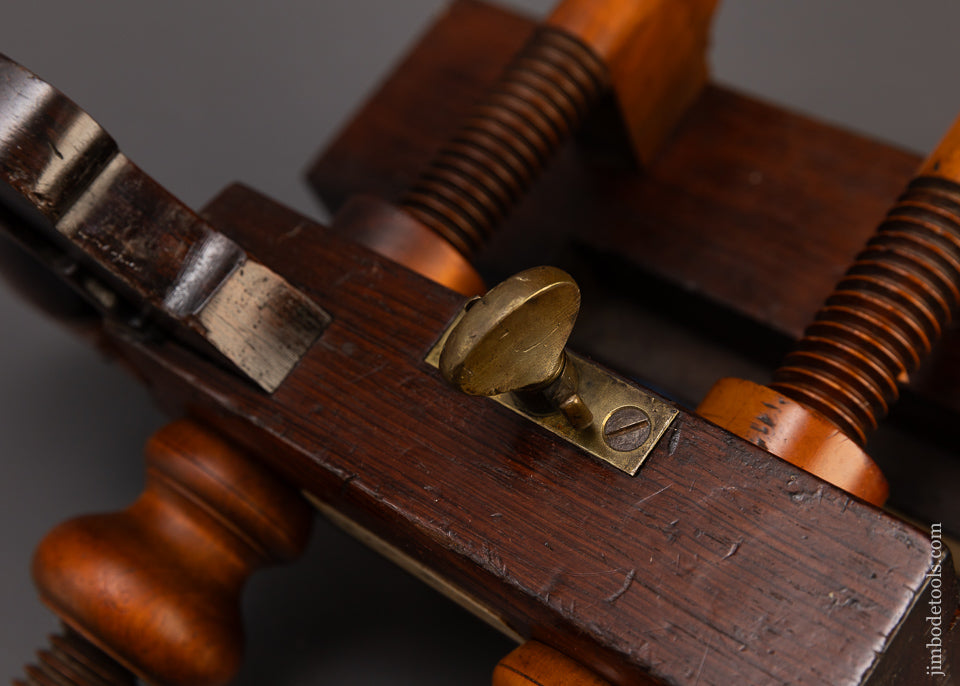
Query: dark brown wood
[
  {"x": 126, "y": 244},
  {"x": 706, "y": 568},
  {"x": 717, "y": 564},
  {"x": 157, "y": 586},
  {"x": 722, "y": 251},
  {"x": 879, "y": 323},
  {"x": 141, "y": 237},
  {"x": 649, "y": 59},
  {"x": 743, "y": 188},
  {"x": 472, "y": 60}
]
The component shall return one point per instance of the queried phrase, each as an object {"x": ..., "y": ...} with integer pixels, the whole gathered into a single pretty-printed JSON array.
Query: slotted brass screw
[{"x": 626, "y": 429}]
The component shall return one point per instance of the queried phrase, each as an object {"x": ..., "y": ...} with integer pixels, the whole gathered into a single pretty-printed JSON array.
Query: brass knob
[{"x": 511, "y": 340}]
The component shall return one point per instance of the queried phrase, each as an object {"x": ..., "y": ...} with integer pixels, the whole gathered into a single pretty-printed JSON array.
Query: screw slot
[{"x": 626, "y": 429}]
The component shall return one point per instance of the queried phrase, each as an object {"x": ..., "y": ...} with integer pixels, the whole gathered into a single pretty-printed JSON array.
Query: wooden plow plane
[{"x": 599, "y": 349}]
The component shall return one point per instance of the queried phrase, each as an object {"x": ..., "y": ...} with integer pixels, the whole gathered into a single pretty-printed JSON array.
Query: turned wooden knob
[{"x": 157, "y": 586}]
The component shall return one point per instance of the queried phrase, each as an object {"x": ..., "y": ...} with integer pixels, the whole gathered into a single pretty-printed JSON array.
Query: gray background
[{"x": 204, "y": 93}]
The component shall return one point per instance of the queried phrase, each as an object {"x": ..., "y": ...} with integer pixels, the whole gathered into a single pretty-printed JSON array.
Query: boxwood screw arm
[{"x": 875, "y": 328}]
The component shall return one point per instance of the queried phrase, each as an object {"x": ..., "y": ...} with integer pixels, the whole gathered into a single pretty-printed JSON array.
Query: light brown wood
[
  {"x": 795, "y": 433},
  {"x": 739, "y": 532},
  {"x": 727, "y": 179},
  {"x": 716, "y": 549},
  {"x": 655, "y": 51},
  {"x": 534, "y": 664},
  {"x": 507, "y": 139},
  {"x": 876, "y": 328},
  {"x": 944, "y": 161},
  {"x": 650, "y": 52},
  {"x": 396, "y": 235},
  {"x": 157, "y": 586}
]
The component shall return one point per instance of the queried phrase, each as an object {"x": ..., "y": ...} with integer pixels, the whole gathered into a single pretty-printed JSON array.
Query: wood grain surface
[
  {"x": 703, "y": 569},
  {"x": 722, "y": 250},
  {"x": 494, "y": 38}
]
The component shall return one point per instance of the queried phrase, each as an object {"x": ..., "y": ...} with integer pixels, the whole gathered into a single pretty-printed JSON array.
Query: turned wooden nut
[
  {"x": 889, "y": 310},
  {"x": 534, "y": 664},
  {"x": 396, "y": 235},
  {"x": 157, "y": 586},
  {"x": 875, "y": 329},
  {"x": 796, "y": 434},
  {"x": 655, "y": 52},
  {"x": 944, "y": 161},
  {"x": 650, "y": 51}
]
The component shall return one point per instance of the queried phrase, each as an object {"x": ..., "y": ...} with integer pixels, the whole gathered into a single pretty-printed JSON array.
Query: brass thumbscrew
[{"x": 512, "y": 340}]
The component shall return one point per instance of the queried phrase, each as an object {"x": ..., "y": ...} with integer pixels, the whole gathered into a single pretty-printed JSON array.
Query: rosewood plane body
[{"x": 717, "y": 563}]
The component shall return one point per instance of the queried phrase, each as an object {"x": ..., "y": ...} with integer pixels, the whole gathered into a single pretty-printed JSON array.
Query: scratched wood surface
[
  {"x": 475, "y": 493},
  {"x": 717, "y": 564},
  {"x": 750, "y": 205},
  {"x": 720, "y": 251}
]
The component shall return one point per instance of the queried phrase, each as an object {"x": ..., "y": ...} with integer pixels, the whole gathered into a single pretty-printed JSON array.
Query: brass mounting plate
[{"x": 604, "y": 393}]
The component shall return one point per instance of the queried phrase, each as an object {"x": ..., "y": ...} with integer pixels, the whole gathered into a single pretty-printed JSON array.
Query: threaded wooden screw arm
[
  {"x": 485, "y": 168},
  {"x": 884, "y": 316},
  {"x": 71, "y": 660},
  {"x": 877, "y": 327},
  {"x": 157, "y": 586},
  {"x": 649, "y": 53}
]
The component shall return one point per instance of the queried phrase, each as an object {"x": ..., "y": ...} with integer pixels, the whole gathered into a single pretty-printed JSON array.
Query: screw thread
[
  {"x": 71, "y": 660},
  {"x": 478, "y": 175},
  {"x": 884, "y": 316}
]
